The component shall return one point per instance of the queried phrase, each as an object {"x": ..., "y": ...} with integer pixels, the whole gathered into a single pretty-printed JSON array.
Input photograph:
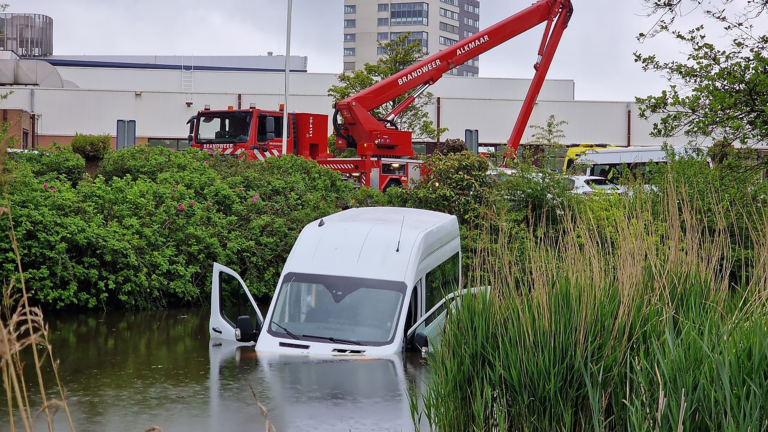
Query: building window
[
  {"x": 471, "y": 74},
  {"x": 381, "y": 51},
  {"x": 446, "y": 41},
  {"x": 409, "y": 14},
  {"x": 349, "y": 23},
  {"x": 420, "y": 37},
  {"x": 474, "y": 62},
  {"x": 449, "y": 14},
  {"x": 383, "y": 22},
  {"x": 471, "y": 22},
  {"x": 349, "y": 66},
  {"x": 383, "y": 7},
  {"x": 349, "y": 37},
  {"x": 473, "y": 9},
  {"x": 449, "y": 28},
  {"x": 453, "y": 71},
  {"x": 350, "y": 9},
  {"x": 451, "y": 2},
  {"x": 383, "y": 36},
  {"x": 468, "y": 33},
  {"x": 349, "y": 52}
]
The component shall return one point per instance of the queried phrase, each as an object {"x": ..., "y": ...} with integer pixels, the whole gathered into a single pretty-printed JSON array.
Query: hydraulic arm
[{"x": 379, "y": 137}]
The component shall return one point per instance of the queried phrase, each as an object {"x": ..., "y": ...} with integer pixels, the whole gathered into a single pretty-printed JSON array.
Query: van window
[
  {"x": 233, "y": 302},
  {"x": 441, "y": 281}
]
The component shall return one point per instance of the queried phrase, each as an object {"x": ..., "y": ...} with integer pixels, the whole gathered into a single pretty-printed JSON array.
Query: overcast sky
[{"x": 596, "y": 50}]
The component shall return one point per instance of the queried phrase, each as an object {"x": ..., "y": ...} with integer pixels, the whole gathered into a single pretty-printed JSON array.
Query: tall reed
[{"x": 634, "y": 315}]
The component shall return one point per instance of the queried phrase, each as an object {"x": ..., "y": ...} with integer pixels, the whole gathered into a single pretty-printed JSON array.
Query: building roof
[
  {"x": 268, "y": 63},
  {"x": 364, "y": 242}
]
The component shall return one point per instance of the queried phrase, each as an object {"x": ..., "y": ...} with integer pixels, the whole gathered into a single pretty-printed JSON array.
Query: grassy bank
[{"x": 645, "y": 312}]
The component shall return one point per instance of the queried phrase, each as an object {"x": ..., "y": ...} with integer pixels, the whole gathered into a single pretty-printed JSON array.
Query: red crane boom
[{"x": 379, "y": 137}]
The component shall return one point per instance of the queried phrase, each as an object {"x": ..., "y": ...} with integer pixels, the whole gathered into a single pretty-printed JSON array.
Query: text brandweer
[{"x": 436, "y": 63}]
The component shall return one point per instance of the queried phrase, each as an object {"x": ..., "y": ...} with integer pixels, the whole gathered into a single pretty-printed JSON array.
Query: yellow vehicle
[{"x": 575, "y": 151}]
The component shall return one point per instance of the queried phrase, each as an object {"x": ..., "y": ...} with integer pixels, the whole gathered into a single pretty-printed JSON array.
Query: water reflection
[{"x": 125, "y": 372}]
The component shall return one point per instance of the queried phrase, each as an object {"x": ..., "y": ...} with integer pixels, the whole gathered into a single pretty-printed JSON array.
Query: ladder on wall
[{"x": 188, "y": 78}]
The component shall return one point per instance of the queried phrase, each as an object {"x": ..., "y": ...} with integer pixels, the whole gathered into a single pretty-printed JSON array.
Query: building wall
[
  {"x": 489, "y": 105},
  {"x": 366, "y": 30},
  {"x": 21, "y": 131}
]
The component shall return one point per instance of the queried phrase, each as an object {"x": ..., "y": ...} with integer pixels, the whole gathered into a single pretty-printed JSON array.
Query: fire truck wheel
[{"x": 392, "y": 183}]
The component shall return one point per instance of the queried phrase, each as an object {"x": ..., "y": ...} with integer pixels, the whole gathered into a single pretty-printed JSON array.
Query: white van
[
  {"x": 367, "y": 282},
  {"x": 610, "y": 163}
]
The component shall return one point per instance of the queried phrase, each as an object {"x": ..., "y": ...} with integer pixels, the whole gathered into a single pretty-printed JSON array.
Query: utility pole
[{"x": 286, "y": 118}]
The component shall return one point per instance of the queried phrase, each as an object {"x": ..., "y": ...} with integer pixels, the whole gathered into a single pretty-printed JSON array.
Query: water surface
[{"x": 129, "y": 371}]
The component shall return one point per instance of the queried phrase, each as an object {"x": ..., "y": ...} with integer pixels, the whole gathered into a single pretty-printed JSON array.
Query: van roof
[{"x": 364, "y": 242}]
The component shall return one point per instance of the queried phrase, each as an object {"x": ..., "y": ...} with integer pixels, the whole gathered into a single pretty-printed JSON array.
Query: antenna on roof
[{"x": 401, "y": 235}]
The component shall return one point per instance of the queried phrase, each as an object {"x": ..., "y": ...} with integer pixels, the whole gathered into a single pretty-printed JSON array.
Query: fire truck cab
[
  {"x": 367, "y": 282},
  {"x": 257, "y": 133}
]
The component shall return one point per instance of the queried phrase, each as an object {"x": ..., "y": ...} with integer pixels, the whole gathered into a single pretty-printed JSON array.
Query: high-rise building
[{"x": 436, "y": 24}]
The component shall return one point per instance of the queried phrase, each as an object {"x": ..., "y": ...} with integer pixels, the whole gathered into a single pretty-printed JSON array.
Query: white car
[{"x": 587, "y": 185}]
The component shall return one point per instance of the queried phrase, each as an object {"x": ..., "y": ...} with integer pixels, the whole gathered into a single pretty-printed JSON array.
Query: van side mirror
[
  {"x": 189, "y": 138},
  {"x": 244, "y": 331},
  {"x": 421, "y": 341},
  {"x": 270, "y": 136},
  {"x": 270, "y": 124}
]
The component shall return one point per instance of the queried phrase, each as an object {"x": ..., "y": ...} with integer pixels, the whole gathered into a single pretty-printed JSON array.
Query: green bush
[
  {"x": 91, "y": 147},
  {"x": 146, "y": 233},
  {"x": 47, "y": 164}
]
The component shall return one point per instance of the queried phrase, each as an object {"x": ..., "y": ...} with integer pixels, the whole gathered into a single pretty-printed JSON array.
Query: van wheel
[{"x": 392, "y": 183}]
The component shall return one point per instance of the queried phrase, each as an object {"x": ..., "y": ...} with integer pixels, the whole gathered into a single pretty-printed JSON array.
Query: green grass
[{"x": 635, "y": 315}]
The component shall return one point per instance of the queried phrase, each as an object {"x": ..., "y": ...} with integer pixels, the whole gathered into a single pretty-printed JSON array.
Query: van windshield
[{"x": 320, "y": 307}]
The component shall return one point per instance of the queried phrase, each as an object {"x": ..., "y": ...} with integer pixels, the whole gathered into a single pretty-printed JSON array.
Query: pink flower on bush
[
  {"x": 206, "y": 162},
  {"x": 192, "y": 204},
  {"x": 52, "y": 189},
  {"x": 240, "y": 189},
  {"x": 255, "y": 198},
  {"x": 45, "y": 186},
  {"x": 181, "y": 207}
]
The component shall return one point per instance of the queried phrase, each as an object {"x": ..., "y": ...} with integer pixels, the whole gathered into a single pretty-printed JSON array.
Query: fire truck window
[
  {"x": 224, "y": 128},
  {"x": 261, "y": 133}
]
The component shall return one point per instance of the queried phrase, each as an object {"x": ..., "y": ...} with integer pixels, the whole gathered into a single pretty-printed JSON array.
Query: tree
[
  {"x": 399, "y": 54},
  {"x": 718, "y": 92},
  {"x": 547, "y": 142}
]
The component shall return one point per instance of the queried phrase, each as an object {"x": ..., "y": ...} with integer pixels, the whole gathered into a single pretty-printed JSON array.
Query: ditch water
[{"x": 129, "y": 371}]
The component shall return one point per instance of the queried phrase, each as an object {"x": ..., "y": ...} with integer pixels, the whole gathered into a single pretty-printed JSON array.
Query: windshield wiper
[
  {"x": 334, "y": 340},
  {"x": 288, "y": 332}
]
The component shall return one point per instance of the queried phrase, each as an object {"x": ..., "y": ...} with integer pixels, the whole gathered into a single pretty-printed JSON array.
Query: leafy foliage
[
  {"x": 91, "y": 147},
  {"x": 451, "y": 145},
  {"x": 398, "y": 55},
  {"x": 61, "y": 161},
  {"x": 717, "y": 92},
  {"x": 145, "y": 233},
  {"x": 547, "y": 139}
]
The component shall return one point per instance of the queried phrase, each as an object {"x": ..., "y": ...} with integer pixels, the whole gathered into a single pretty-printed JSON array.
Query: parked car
[{"x": 587, "y": 185}]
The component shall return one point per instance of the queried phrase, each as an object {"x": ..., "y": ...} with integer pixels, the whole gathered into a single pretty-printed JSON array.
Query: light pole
[{"x": 286, "y": 118}]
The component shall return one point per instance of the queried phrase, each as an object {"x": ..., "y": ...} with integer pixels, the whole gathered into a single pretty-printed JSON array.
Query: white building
[
  {"x": 436, "y": 24},
  {"x": 160, "y": 102}
]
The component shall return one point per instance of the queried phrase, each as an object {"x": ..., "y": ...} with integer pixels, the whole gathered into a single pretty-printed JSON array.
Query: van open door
[
  {"x": 428, "y": 331},
  {"x": 234, "y": 314}
]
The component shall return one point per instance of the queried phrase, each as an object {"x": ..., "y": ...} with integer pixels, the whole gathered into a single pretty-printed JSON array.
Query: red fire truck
[{"x": 384, "y": 153}]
